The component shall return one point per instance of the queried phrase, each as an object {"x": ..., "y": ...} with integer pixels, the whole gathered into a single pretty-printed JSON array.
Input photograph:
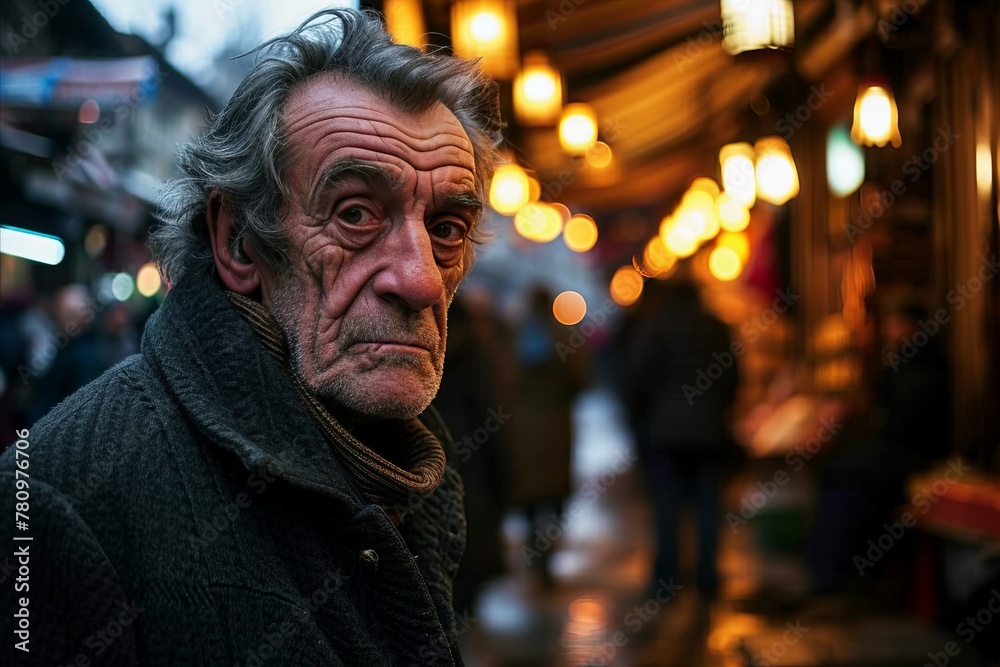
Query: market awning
[{"x": 68, "y": 82}]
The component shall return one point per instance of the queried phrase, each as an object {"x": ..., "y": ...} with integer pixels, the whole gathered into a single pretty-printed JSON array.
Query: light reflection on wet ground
[{"x": 599, "y": 614}]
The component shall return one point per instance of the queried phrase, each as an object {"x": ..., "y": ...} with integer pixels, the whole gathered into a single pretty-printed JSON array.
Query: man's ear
[{"x": 238, "y": 271}]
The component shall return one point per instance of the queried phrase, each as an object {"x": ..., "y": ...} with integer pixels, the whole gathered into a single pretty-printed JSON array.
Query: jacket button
[{"x": 369, "y": 560}]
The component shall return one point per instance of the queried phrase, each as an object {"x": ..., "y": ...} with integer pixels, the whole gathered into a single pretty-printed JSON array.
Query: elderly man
[{"x": 266, "y": 483}]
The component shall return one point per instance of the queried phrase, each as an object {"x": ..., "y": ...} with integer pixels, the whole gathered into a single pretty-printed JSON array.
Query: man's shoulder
[
  {"x": 107, "y": 420},
  {"x": 102, "y": 402}
]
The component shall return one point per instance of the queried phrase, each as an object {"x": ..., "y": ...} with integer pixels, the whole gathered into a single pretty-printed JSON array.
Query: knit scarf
[{"x": 410, "y": 462}]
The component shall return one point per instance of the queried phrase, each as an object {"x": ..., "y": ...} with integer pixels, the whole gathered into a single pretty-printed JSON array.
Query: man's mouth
[{"x": 393, "y": 345}]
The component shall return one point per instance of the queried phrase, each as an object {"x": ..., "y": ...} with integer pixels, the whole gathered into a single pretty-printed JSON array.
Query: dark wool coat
[{"x": 185, "y": 509}]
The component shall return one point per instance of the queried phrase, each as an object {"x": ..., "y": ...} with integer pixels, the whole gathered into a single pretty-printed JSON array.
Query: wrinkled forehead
[
  {"x": 333, "y": 95},
  {"x": 332, "y": 117}
]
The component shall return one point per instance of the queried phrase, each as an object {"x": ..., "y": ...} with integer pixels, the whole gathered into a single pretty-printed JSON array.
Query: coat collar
[{"x": 235, "y": 393}]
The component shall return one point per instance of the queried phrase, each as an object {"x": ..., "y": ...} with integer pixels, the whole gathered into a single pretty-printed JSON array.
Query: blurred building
[{"x": 89, "y": 124}]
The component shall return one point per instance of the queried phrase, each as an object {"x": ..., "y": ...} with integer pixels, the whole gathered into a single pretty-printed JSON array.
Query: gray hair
[{"x": 242, "y": 155}]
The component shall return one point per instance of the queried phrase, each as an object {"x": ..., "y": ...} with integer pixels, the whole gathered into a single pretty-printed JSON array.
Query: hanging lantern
[
  {"x": 738, "y": 182},
  {"x": 487, "y": 29},
  {"x": 757, "y": 24},
  {"x": 876, "y": 118},
  {"x": 404, "y": 20},
  {"x": 578, "y": 128},
  {"x": 777, "y": 178},
  {"x": 538, "y": 96}
]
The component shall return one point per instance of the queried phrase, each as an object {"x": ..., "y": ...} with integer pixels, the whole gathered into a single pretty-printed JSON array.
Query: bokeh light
[
  {"x": 657, "y": 261},
  {"x": 538, "y": 222},
  {"x": 534, "y": 189},
  {"x": 737, "y": 242},
  {"x": 538, "y": 91},
  {"x": 845, "y": 162},
  {"x": 485, "y": 27},
  {"x": 876, "y": 118},
  {"x": 706, "y": 185},
  {"x": 626, "y": 286},
  {"x": 569, "y": 308},
  {"x": 681, "y": 239},
  {"x": 404, "y": 20},
  {"x": 777, "y": 178},
  {"x": 724, "y": 263},
  {"x": 90, "y": 112},
  {"x": 147, "y": 280},
  {"x": 564, "y": 212},
  {"x": 733, "y": 215},
  {"x": 695, "y": 199},
  {"x": 122, "y": 286},
  {"x": 95, "y": 240},
  {"x": 580, "y": 233},
  {"x": 510, "y": 190},
  {"x": 577, "y": 128},
  {"x": 738, "y": 172},
  {"x": 598, "y": 155}
]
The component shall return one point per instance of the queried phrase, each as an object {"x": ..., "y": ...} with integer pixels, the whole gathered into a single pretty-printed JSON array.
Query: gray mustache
[{"x": 400, "y": 328}]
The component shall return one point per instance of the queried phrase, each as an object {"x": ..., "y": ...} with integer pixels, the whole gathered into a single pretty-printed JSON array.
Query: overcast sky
[{"x": 204, "y": 26}]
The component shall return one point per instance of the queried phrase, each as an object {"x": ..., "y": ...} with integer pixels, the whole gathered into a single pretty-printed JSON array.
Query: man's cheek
[
  {"x": 321, "y": 257},
  {"x": 451, "y": 277}
]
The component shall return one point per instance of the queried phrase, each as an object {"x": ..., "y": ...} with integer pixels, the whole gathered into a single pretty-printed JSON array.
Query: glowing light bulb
[
  {"x": 538, "y": 94},
  {"x": 577, "y": 128}
]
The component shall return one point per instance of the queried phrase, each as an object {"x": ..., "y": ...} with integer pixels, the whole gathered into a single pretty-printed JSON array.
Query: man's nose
[{"x": 411, "y": 274}]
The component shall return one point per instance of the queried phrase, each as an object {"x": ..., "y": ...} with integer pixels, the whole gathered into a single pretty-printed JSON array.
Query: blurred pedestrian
[
  {"x": 71, "y": 349},
  {"x": 542, "y": 429},
  {"x": 14, "y": 352},
  {"x": 681, "y": 381},
  {"x": 866, "y": 476},
  {"x": 469, "y": 397},
  {"x": 117, "y": 338}
]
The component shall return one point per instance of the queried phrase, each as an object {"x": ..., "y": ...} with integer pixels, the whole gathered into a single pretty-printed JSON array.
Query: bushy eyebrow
[
  {"x": 467, "y": 201},
  {"x": 352, "y": 168},
  {"x": 378, "y": 176}
]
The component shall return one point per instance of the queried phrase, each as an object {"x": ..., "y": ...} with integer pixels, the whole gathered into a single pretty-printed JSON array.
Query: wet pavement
[{"x": 600, "y": 610}]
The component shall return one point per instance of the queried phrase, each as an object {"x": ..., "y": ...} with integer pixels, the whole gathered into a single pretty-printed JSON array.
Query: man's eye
[
  {"x": 449, "y": 231},
  {"x": 356, "y": 215}
]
